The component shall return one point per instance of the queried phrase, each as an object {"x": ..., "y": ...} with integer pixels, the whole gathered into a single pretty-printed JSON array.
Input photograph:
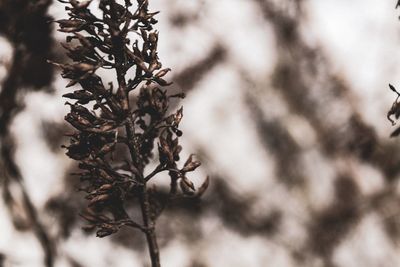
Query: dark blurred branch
[
  {"x": 299, "y": 66},
  {"x": 190, "y": 76},
  {"x": 25, "y": 25},
  {"x": 277, "y": 140}
]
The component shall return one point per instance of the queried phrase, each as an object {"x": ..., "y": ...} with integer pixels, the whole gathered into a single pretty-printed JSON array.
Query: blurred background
[{"x": 286, "y": 107}]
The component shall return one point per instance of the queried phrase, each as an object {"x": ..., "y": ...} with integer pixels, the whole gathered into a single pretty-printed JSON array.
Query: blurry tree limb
[{"x": 25, "y": 24}]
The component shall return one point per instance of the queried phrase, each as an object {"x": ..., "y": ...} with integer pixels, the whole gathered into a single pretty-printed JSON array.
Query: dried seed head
[
  {"x": 106, "y": 118},
  {"x": 186, "y": 189}
]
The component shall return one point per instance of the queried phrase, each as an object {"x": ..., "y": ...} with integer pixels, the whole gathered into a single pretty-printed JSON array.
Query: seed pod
[
  {"x": 89, "y": 217},
  {"x": 153, "y": 37},
  {"x": 70, "y": 25},
  {"x": 103, "y": 218},
  {"x": 82, "y": 96},
  {"x": 185, "y": 188},
  {"x": 178, "y": 116},
  {"x": 86, "y": 42},
  {"x": 180, "y": 95},
  {"x": 107, "y": 148},
  {"x": 155, "y": 65},
  {"x": 103, "y": 174},
  {"x": 84, "y": 67},
  {"x": 88, "y": 227},
  {"x": 105, "y": 232},
  {"x": 161, "y": 81},
  {"x": 163, "y": 72},
  {"x": 80, "y": 4},
  {"x": 203, "y": 187},
  {"x": 187, "y": 182},
  {"x": 99, "y": 198},
  {"x": 165, "y": 153},
  {"x": 105, "y": 187},
  {"x": 191, "y": 166}
]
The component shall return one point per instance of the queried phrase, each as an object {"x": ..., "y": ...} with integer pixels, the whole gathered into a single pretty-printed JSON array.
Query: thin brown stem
[
  {"x": 133, "y": 146},
  {"x": 150, "y": 225},
  {"x": 156, "y": 171}
]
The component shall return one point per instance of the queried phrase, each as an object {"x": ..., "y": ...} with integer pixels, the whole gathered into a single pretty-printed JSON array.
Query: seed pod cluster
[
  {"x": 394, "y": 111},
  {"x": 106, "y": 118}
]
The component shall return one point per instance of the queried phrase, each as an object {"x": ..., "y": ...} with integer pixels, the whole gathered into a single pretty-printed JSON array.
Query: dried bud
[
  {"x": 203, "y": 187},
  {"x": 70, "y": 25},
  {"x": 178, "y": 117},
  {"x": 186, "y": 188},
  {"x": 191, "y": 166},
  {"x": 105, "y": 187},
  {"x": 82, "y": 96},
  {"x": 98, "y": 199},
  {"x": 106, "y": 230},
  {"x": 187, "y": 182},
  {"x": 153, "y": 37},
  {"x": 162, "y": 73}
]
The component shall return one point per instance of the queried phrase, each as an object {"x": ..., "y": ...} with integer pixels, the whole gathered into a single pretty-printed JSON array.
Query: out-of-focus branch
[{"x": 25, "y": 25}]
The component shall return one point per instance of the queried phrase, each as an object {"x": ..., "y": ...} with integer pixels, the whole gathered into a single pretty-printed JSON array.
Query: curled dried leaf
[
  {"x": 178, "y": 116},
  {"x": 98, "y": 199},
  {"x": 88, "y": 227},
  {"x": 106, "y": 230},
  {"x": 186, "y": 189},
  {"x": 395, "y": 110},
  {"x": 395, "y": 133},
  {"x": 190, "y": 165},
  {"x": 187, "y": 182},
  {"x": 203, "y": 187},
  {"x": 105, "y": 187}
]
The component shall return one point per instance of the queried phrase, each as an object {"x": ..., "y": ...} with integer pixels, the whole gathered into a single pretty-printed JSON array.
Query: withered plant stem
[
  {"x": 150, "y": 228},
  {"x": 112, "y": 183},
  {"x": 149, "y": 224},
  {"x": 122, "y": 93}
]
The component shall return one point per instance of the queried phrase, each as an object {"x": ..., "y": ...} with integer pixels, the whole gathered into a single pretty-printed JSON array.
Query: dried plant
[
  {"x": 108, "y": 121},
  {"x": 395, "y": 109}
]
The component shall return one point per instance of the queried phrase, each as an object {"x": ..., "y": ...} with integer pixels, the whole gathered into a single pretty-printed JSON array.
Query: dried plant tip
[
  {"x": 89, "y": 217},
  {"x": 106, "y": 117},
  {"x": 88, "y": 227},
  {"x": 395, "y": 110},
  {"x": 203, "y": 187},
  {"x": 186, "y": 189},
  {"x": 105, "y": 187},
  {"x": 178, "y": 117},
  {"x": 395, "y": 133},
  {"x": 162, "y": 73},
  {"x": 187, "y": 182},
  {"x": 99, "y": 199},
  {"x": 180, "y": 95},
  {"x": 106, "y": 231},
  {"x": 190, "y": 165}
]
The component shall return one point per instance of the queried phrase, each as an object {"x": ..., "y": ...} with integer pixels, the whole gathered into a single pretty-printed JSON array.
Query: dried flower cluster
[
  {"x": 108, "y": 120},
  {"x": 394, "y": 111}
]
